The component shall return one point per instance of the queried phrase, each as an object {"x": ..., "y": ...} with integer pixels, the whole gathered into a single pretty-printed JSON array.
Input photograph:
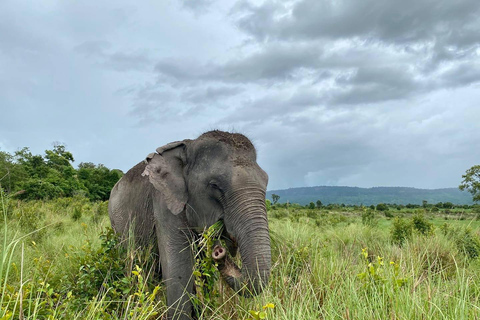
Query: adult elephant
[{"x": 185, "y": 187}]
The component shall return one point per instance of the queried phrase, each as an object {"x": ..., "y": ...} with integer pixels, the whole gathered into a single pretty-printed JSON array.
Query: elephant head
[{"x": 216, "y": 177}]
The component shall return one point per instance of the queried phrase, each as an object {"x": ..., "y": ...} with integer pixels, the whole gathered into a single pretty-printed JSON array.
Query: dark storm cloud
[
  {"x": 390, "y": 21},
  {"x": 378, "y": 51}
]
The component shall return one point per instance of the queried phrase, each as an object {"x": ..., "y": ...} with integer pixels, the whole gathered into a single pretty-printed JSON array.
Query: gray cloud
[
  {"x": 273, "y": 63},
  {"x": 120, "y": 61},
  {"x": 197, "y": 6},
  {"x": 346, "y": 92},
  {"x": 210, "y": 94},
  {"x": 390, "y": 21}
]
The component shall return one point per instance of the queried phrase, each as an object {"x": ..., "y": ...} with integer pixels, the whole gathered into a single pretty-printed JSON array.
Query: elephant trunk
[{"x": 248, "y": 225}]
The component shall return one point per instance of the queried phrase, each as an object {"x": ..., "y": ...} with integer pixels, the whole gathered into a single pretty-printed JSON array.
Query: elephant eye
[{"x": 214, "y": 185}]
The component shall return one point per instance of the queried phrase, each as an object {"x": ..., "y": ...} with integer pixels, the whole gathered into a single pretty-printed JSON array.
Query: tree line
[{"x": 52, "y": 175}]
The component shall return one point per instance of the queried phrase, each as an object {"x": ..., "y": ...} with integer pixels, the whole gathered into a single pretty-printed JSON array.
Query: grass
[{"x": 59, "y": 261}]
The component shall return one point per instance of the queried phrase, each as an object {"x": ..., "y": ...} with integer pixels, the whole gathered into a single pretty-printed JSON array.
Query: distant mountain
[{"x": 368, "y": 196}]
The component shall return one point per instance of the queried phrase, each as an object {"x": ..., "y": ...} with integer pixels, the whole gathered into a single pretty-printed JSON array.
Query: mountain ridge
[{"x": 368, "y": 196}]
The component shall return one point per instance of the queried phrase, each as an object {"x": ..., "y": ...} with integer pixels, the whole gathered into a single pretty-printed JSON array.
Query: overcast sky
[{"x": 345, "y": 92}]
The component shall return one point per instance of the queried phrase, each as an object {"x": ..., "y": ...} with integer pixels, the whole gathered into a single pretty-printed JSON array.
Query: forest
[{"x": 52, "y": 175}]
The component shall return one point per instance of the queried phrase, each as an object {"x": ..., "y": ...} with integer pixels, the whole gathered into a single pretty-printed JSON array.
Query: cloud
[
  {"x": 270, "y": 63},
  {"x": 210, "y": 94},
  {"x": 347, "y": 92},
  {"x": 100, "y": 51},
  {"x": 390, "y": 21},
  {"x": 197, "y": 6}
]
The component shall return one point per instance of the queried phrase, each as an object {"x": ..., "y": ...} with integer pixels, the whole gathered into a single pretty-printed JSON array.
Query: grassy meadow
[{"x": 60, "y": 260}]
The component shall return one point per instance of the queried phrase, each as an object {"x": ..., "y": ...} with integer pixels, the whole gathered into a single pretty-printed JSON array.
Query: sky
[{"x": 338, "y": 93}]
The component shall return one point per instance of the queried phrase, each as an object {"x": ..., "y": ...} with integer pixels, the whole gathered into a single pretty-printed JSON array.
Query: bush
[
  {"x": 268, "y": 204},
  {"x": 382, "y": 207},
  {"x": 77, "y": 213},
  {"x": 468, "y": 243},
  {"x": 110, "y": 270},
  {"x": 368, "y": 218},
  {"x": 421, "y": 225},
  {"x": 388, "y": 214},
  {"x": 312, "y": 214},
  {"x": 401, "y": 231}
]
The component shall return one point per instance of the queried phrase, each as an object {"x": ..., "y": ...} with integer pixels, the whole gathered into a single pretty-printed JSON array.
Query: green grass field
[{"x": 59, "y": 261}]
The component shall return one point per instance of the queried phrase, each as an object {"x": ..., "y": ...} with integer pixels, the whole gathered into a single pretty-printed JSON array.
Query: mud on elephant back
[{"x": 185, "y": 187}]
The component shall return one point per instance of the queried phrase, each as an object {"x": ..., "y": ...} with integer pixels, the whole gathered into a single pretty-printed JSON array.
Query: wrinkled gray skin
[{"x": 187, "y": 186}]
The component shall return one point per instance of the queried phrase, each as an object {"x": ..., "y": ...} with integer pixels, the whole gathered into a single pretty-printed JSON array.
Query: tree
[
  {"x": 275, "y": 198},
  {"x": 382, "y": 207},
  {"x": 319, "y": 204},
  {"x": 98, "y": 180},
  {"x": 448, "y": 205},
  {"x": 471, "y": 182},
  {"x": 311, "y": 205},
  {"x": 11, "y": 173}
]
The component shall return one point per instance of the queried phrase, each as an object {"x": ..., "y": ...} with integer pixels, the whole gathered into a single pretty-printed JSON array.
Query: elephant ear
[{"x": 165, "y": 171}]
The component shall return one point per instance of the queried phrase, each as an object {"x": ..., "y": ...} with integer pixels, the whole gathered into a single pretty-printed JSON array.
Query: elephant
[{"x": 185, "y": 187}]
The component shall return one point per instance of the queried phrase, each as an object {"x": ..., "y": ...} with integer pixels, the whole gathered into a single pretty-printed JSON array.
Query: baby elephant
[{"x": 185, "y": 187}]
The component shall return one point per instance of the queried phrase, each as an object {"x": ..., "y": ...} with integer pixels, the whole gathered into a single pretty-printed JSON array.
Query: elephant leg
[{"x": 177, "y": 265}]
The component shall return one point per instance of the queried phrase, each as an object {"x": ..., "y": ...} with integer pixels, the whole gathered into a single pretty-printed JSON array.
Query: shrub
[
  {"x": 77, "y": 213},
  {"x": 368, "y": 218},
  {"x": 401, "y": 231},
  {"x": 468, "y": 243},
  {"x": 312, "y": 214},
  {"x": 388, "y": 214},
  {"x": 268, "y": 204},
  {"x": 421, "y": 225},
  {"x": 382, "y": 207}
]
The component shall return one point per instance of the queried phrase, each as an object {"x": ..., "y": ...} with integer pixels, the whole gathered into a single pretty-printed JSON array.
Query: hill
[{"x": 368, "y": 196}]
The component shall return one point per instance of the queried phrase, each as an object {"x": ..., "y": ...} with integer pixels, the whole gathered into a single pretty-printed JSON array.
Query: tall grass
[{"x": 60, "y": 261}]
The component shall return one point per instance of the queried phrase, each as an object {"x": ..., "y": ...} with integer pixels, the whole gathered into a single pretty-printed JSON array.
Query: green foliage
[
  {"x": 330, "y": 219},
  {"x": 448, "y": 205},
  {"x": 297, "y": 260},
  {"x": 275, "y": 198},
  {"x": 401, "y": 231},
  {"x": 468, "y": 243},
  {"x": 98, "y": 180},
  {"x": 421, "y": 225},
  {"x": 319, "y": 204},
  {"x": 388, "y": 214},
  {"x": 73, "y": 273},
  {"x": 368, "y": 217},
  {"x": 382, "y": 207},
  {"x": 268, "y": 204},
  {"x": 104, "y": 270},
  {"x": 77, "y": 213},
  {"x": 311, "y": 206},
  {"x": 471, "y": 182},
  {"x": 374, "y": 274},
  {"x": 52, "y": 176},
  {"x": 205, "y": 269},
  {"x": 262, "y": 314}
]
